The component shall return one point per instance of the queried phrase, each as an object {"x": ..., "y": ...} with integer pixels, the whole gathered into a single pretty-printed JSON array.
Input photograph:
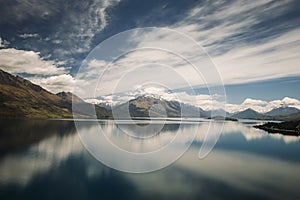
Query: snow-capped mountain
[{"x": 205, "y": 102}]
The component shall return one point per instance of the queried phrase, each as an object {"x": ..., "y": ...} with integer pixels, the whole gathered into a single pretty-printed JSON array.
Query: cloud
[
  {"x": 83, "y": 25},
  {"x": 205, "y": 101},
  {"x": 3, "y": 43},
  {"x": 247, "y": 40},
  {"x": 255, "y": 102},
  {"x": 80, "y": 27},
  {"x": 150, "y": 56},
  {"x": 239, "y": 37},
  {"x": 56, "y": 83},
  {"x": 201, "y": 100},
  {"x": 30, "y": 62},
  {"x": 273, "y": 59},
  {"x": 62, "y": 29},
  {"x": 45, "y": 73},
  {"x": 18, "y": 12},
  {"x": 263, "y": 106},
  {"x": 29, "y": 35},
  {"x": 242, "y": 41},
  {"x": 233, "y": 24}
]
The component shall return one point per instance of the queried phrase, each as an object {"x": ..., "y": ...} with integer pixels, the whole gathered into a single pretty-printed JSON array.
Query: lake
[{"x": 45, "y": 159}]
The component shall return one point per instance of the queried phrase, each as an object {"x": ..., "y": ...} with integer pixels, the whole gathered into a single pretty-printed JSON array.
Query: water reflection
[
  {"x": 20, "y": 168},
  {"x": 48, "y": 143},
  {"x": 16, "y": 135},
  {"x": 244, "y": 165},
  {"x": 165, "y": 134}
]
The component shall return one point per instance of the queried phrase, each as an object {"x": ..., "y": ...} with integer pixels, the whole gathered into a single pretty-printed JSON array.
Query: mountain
[
  {"x": 105, "y": 105},
  {"x": 282, "y": 111},
  {"x": 290, "y": 117},
  {"x": 282, "y": 114},
  {"x": 147, "y": 106},
  {"x": 80, "y": 108},
  {"x": 19, "y": 98},
  {"x": 248, "y": 114}
]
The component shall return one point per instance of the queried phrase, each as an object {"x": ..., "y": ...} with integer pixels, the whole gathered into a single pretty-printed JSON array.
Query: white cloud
[
  {"x": 156, "y": 63},
  {"x": 263, "y": 106},
  {"x": 45, "y": 73},
  {"x": 96, "y": 101},
  {"x": 245, "y": 59},
  {"x": 3, "y": 43},
  {"x": 30, "y": 62},
  {"x": 290, "y": 102},
  {"x": 255, "y": 102},
  {"x": 274, "y": 59},
  {"x": 56, "y": 83},
  {"x": 204, "y": 101},
  {"x": 28, "y": 35},
  {"x": 84, "y": 25},
  {"x": 214, "y": 23},
  {"x": 238, "y": 59}
]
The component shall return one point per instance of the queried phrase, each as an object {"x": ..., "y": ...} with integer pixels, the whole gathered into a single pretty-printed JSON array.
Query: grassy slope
[
  {"x": 24, "y": 102},
  {"x": 19, "y": 98}
]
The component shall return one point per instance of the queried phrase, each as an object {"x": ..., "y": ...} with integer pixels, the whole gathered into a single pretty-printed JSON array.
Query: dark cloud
[
  {"x": 69, "y": 29},
  {"x": 262, "y": 22},
  {"x": 65, "y": 28}
]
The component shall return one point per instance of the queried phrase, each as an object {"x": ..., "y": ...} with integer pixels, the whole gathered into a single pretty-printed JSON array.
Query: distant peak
[
  {"x": 69, "y": 96},
  {"x": 249, "y": 109},
  {"x": 147, "y": 95}
]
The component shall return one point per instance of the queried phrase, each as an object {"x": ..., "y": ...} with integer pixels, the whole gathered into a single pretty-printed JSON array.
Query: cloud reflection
[{"x": 235, "y": 170}]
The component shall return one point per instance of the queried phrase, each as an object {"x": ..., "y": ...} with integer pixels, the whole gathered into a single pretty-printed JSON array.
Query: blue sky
[{"x": 254, "y": 44}]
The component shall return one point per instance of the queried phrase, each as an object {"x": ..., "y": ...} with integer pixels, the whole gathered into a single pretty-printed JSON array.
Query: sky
[{"x": 253, "y": 45}]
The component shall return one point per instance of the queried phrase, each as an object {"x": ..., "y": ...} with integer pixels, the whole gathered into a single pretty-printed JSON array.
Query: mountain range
[
  {"x": 19, "y": 98},
  {"x": 281, "y": 113},
  {"x": 147, "y": 106},
  {"x": 248, "y": 114}
]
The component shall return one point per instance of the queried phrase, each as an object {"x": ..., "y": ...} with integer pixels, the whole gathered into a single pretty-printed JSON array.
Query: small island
[
  {"x": 285, "y": 128},
  {"x": 222, "y": 118}
]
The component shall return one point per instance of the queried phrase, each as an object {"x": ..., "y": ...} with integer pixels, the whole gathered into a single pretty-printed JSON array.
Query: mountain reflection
[
  {"x": 20, "y": 134},
  {"x": 54, "y": 164}
]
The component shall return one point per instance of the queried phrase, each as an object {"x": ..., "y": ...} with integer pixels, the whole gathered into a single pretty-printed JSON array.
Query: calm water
[{"x": 44, "y": 159}]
